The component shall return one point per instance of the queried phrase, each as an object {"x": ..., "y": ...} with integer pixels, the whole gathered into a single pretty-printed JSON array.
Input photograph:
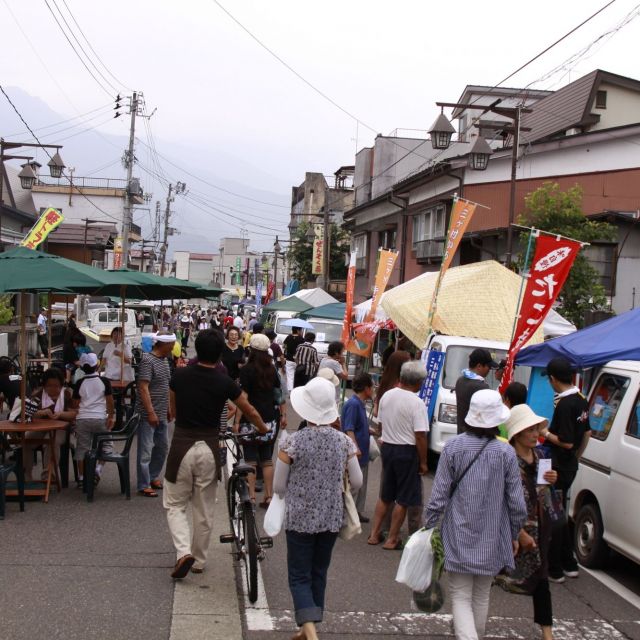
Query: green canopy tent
[
  {"x": 292, "y": 303},
  {"x": 333, "y": 311}
]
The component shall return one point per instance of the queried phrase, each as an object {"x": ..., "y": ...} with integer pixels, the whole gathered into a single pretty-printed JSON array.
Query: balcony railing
[
  {"x": 428, "y": 249},
  {"x": 82, "y": 182}
]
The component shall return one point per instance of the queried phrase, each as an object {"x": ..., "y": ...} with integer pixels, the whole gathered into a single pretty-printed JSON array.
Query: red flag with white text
[
  {"x": 551, "y": 264},
  {"x": 348, "y": 310}
]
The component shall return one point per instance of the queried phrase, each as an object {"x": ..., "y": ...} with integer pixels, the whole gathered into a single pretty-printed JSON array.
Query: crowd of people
[{"x": 495, "y": 511}]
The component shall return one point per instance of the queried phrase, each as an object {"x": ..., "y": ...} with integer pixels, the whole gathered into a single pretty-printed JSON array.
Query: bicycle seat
[{"x": 243, "y": 469}]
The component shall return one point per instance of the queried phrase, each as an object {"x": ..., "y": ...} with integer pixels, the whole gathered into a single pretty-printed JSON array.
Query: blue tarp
[{"x": 617, "y": 338}]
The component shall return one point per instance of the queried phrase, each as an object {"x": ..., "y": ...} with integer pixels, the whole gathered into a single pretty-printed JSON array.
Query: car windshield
[
  {"x": 326, "y": 331},
  {"x": 457, "y": 359},
  {"x": 280, "y": 329}
]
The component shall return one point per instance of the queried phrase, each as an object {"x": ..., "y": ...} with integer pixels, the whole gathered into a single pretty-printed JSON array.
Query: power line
[
  {"x": 95, "y": 53},
  {"x": 6, "y": 95},
  {"x": 84, "y": 64}
]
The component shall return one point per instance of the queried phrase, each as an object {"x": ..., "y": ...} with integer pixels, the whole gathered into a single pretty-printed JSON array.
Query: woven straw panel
[{"x": 476, "y": 300}]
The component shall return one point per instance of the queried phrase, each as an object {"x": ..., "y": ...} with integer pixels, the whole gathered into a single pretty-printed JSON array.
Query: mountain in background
[{"x": 94, "y": 153}]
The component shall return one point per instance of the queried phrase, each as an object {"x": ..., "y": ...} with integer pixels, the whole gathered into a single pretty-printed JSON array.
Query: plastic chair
[
  {"x": 67, "y": 450},
  {"x": 6, "y": 469},
  {"x": 91, "y": 458}
]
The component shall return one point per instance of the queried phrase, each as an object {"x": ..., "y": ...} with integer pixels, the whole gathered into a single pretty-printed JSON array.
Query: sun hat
[
  {"x": 260, "y": 342},
  {"x": 486, "y": 410},
  {"x": 329, "y": 375},
  {"x": 89, "y": 358},
  {"x": 522, "y": 417},
  {"x": 315, "y": 402}
]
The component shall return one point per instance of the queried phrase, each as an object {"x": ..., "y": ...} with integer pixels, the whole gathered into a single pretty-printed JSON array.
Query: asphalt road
[{"x": 364, "y": 601}]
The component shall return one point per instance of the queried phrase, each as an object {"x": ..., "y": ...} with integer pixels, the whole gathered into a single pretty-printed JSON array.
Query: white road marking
[{"x": 615, "y": 586}]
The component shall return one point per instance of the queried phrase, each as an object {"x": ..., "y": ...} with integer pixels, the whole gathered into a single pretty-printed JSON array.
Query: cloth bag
[
  {"x": 274, "y": 518},
  {"x": 416, "y": 563},
  {"x": 351, "y": 520}
]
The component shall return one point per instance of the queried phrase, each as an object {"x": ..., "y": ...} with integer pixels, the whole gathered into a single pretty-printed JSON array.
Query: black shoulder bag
[{"x": 455, "y": 483}]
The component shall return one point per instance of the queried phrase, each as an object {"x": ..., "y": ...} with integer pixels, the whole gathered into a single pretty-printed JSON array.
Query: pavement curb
[{"x": 206, "y": 606}]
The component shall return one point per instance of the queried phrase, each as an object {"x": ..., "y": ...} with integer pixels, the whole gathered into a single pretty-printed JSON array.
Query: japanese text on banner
[
  {"x": 348, "y": 310},
  {"x": 552, "y": 261},
  {"x": 429, "y": 390},
  {"x": 46, "y": 223},
  {"x": 317, "y": 263}
]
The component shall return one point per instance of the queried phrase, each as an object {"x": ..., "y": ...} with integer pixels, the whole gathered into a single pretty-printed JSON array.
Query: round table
[{"x": 48, "y": 428}]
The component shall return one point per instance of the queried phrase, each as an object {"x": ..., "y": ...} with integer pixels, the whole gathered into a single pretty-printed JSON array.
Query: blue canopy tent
[{"x": 617, "y": 338}]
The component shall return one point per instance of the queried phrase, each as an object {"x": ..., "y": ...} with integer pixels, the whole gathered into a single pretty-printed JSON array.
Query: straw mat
[{"x": 476, "y": 300}]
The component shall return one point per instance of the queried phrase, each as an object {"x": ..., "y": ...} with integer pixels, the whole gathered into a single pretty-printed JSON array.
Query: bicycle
[{"x": 249, "y": 545}]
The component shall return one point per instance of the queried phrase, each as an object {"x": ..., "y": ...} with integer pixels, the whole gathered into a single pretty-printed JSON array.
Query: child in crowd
[{"x": 94, "y": 400}]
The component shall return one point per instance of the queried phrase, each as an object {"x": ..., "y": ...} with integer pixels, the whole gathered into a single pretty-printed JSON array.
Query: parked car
[{"x": 604, "y": 495}]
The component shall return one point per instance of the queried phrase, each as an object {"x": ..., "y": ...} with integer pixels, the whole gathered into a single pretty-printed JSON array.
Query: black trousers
[
  {"x": 542, "y": 613},
  {"x": 561, "y": 555},
  {"x": 43, "y": 343}
]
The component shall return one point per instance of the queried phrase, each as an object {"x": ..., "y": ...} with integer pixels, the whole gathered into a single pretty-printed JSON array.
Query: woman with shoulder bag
[
  {"x": 478, "y": 493},
  {"x": 312, "y": 485},
  {"x": 531, "y": 574},
  {"x": 260, "y": 380}
]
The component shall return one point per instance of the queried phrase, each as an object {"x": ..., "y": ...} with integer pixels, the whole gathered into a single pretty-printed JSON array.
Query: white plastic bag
[
  {"x": 374, "y": 449},
  {"x": 274, "y": 517},
  {"x": 416, "y": 563}
]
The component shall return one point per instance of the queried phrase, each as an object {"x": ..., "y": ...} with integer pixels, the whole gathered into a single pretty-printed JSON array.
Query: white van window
[
  {"x": 326, "y": 331},
  {"x": 605, "y": 402},
  {"x": 457, "y": 359},
  {"x": 280, "y": 329},
  {"x": 633, "y": 428}
]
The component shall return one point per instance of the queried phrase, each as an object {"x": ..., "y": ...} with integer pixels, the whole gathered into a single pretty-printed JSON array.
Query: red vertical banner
[
  {"x": 348, "y": 310},
  {"x": 270, "y": 289},
  {"x": 550, "y": 267}
]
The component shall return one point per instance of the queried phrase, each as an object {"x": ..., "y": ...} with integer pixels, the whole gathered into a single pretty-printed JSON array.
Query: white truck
[
  {"x": 604, "y": 495},
  {"x": 457, "y": 350},
  {"x": 101, "y": 322}
]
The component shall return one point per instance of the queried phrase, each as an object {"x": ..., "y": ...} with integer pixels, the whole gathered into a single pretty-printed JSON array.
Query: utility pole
[
  {"x": 180, "y": 187},
  {"x": 327, "y": 241},
  {"x": 128, "y": 210}
]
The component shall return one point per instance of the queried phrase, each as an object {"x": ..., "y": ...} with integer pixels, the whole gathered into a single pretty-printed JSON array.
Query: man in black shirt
[
  {"x": 567, "y": 437},
  {"x": 290, "y": 344},
  {"x": 472, "y": 380},
  {"x": 198, "y": 394}
]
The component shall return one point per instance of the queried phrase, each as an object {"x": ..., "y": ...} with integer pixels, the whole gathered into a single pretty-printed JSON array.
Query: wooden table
[{"x": 48, "y": 429}]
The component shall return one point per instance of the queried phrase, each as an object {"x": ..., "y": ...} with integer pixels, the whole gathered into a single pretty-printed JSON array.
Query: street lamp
[
  {"x": 56, "y": 166},
  {"x": 479, "y": 154},
  {"x": 441, "y": 132},
  {"x": 27, "y": 176}
]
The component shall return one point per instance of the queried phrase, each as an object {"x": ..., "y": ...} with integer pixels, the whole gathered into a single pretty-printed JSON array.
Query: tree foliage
[
  {"x": 551, "y": 209},
  {"x": 6, "y": 310},
  {"x": 301, "y": 254}
]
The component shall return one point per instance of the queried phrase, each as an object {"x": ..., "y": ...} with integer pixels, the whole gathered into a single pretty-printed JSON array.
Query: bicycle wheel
[{"x": 251, "y": 553}]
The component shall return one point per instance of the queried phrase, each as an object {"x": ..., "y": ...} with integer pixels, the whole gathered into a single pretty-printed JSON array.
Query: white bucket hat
[
  {"x": 329, "y": 375},
  {"x": 316, "y": 401},
  {"x": 486, "y": 410},
  {"x": 522, "y": 417}
]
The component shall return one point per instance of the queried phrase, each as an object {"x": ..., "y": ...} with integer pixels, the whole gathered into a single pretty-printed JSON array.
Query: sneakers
[
  {"x": 571, "y": 573},
  {"x": 557, "y": 579}
]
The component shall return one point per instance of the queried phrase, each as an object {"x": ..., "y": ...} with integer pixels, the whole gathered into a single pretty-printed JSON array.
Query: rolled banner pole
[
  {"x": 23, "y": 357},
  {"x": 49, "y": 329},
  {"x": 123, "y": 293}
]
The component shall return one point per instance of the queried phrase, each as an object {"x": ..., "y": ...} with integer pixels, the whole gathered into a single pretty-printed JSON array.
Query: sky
[{"x": 238, "y": 117}]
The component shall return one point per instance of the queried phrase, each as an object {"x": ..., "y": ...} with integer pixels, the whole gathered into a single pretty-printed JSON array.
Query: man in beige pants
[{"x": 198, "y": 394}]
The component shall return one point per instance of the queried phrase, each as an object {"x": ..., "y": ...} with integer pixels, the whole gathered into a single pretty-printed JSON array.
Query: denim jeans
[
  {"x": 153, "y": 446},
  {"x": 308, "y": 559}
]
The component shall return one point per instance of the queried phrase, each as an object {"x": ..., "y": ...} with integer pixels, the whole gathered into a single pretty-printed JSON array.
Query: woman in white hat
[
  {"x": 478, "y": 493},
  {"x": 311, "y": 485},
  {"x": 524, "y": 428}
]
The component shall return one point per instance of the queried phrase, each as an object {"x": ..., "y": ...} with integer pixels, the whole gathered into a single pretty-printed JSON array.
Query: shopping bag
[
  {"x": 351, "y": 520},
  {"x": 416, "y": 563},
  {"x": 432, "y": 598},
  {"x": 274, "y": 518},
  {"x": 374, "y": 449}
]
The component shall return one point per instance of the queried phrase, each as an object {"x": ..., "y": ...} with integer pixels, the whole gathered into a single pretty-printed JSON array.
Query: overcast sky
[{"x": 216, "y": 90}]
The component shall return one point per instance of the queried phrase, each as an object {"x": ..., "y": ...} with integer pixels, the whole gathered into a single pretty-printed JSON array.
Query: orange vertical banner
[{"x": 348, "y": 310}]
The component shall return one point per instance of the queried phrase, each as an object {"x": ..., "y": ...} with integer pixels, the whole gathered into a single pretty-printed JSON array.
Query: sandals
[
  {"x": 157, "y": 485},
  {"x": 398, "y": 546},
  {"x": 148, "y": 493}
]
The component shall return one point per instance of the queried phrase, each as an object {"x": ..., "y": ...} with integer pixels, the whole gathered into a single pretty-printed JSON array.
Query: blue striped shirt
[{"x": 487, "y": 509}]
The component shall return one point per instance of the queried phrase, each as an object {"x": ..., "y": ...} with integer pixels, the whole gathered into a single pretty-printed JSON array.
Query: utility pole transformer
[
  {"x": 165, "y": 237},
  {"x": 128, "y": 210}
]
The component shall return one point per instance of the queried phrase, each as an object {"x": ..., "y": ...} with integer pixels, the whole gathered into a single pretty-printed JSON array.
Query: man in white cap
[
  {"x": 153, "y": 405},
  {"x": 253, "y": 320},
  {"x": 43, "y": 338}
]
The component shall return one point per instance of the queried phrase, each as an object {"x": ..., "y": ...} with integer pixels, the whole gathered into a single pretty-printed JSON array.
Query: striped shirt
[
  {"x": 307, "y": 355},
  {"x": 487, "y": 509},
  {"x": 156, "y": 372}
]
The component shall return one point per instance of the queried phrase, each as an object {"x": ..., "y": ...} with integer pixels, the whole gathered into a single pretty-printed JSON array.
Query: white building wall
[
  {"x": 112, "y": 206},
  {"x": 181, "y": 258},
  {"x": 623, "y": 107}
]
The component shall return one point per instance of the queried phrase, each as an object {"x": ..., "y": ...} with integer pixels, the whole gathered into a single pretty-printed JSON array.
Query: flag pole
[{"x": 533, "y": 233}]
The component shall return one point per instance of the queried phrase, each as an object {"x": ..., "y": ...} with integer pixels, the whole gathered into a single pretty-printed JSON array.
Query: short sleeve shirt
[
  {"x": 92, "y": 391},
  {"x": 570, "y": 422},
  {"x": 335, "y": 366},
  {"x": 402, "y": 415},
  {"x": 314, "y": 493},
  {"x": 354, "y": 418},
  {"x": 263, "y": 399},
  {"x": 156, "y": 372}
]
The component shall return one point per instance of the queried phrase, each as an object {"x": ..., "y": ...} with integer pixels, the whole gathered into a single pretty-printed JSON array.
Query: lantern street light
[
  {"x": 56, "y": 166},
  {"x": 27, "y": 176},
  {"x": 479, "y": 156},
  {"x": 441, "y": 132}
]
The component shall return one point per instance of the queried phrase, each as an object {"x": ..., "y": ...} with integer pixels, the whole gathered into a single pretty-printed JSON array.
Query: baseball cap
[
  {"x": 260, "y": 342},
  {"x": 89, "y": 358},
  {"x": 482, "y": 356},
  {"x": 560, "y": 368}
]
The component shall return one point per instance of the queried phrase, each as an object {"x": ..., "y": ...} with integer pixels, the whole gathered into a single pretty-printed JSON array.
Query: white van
[
  {"x": 605, "y": 493},
  {"x": 101, "y": 322},
  {"x": 275, "y": 319},
  {"x": 457, "y": 350}
]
